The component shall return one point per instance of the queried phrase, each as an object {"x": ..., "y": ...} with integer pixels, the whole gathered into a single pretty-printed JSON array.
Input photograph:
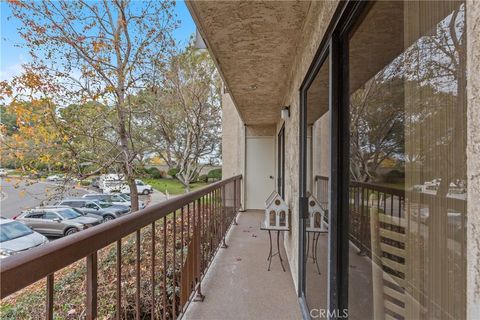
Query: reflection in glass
[
  {"x": 407, "y": 162},
  {"x": 316, "y": 232}
]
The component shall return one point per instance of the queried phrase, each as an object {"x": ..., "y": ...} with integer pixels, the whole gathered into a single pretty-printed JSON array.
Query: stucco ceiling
[{"x": 253, "y": 43}]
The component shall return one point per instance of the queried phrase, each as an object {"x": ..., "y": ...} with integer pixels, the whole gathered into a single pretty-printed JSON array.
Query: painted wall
[{"x": 233, "y": 139}]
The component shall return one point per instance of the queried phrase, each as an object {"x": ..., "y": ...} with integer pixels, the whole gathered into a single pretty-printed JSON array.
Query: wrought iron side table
[
  {"x": 270, "y": 253},
  {"x": 316, "y": 235}
]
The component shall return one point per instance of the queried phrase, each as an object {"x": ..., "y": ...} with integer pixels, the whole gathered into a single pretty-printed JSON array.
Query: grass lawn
[
  {"x": 400, "y": 186},
  {"x": 173, "y": 186}
]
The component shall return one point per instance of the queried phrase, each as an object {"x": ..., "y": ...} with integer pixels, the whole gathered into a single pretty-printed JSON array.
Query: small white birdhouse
[
  {"x": 276, "y": 212},
  {"x": 317, "y": 216}
]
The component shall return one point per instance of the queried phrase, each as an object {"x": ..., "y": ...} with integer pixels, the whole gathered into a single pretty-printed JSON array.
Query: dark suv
[{"x": 89, "y": 206}]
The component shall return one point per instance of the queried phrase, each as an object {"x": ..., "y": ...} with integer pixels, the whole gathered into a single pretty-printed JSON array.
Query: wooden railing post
[{"x": 92, "y": 286}]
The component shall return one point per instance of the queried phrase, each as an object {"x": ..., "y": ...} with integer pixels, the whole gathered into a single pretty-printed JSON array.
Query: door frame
[
  {"x": 334, "y": 46},
  {"x": 281, "y": 161},
  {"x": 271, "y": 138}
]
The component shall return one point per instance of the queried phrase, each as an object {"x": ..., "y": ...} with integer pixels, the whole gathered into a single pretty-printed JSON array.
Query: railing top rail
[
  {"x": 23, "y": 269},
  {"x": 375, "y": 187},
  {"x": 393, "y": 191}
]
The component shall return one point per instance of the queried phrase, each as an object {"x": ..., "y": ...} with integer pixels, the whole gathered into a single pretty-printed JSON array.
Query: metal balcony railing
[{"x": 184, "y": 235}]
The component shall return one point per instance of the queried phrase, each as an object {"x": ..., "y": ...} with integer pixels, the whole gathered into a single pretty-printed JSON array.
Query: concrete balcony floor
[{"x": 237, "y": 284}]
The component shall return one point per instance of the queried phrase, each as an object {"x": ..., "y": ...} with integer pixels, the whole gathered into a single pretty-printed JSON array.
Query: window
[
  {"x": 50, "y": 216},
  {"x": 74, "y": 204},
  {"x": 13, "y": 230},
  {"x": 407, "y": 192},
  {"x": 91, "y": 205},
  {"x": 69, "y": 214},
  {"x": 281, "y": 162},
  {"x": 315, "y": 266},
  {"x": 35, "y": 215}
]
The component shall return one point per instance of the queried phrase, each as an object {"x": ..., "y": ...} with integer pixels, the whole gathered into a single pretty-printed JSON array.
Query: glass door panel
[
  {"x": 316, "y": 224},
  {"x": 407, "y": 192}
]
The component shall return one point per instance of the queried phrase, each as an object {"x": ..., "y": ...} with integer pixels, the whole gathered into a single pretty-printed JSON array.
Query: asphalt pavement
[{"x": 18, "y": 194}]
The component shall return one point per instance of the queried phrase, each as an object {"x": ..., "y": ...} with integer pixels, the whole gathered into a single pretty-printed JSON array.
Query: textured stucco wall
[
  {"x": 473, "y": 159},
  {"x": 233, "y": 139},
  {"x": 319, "y": 15}
]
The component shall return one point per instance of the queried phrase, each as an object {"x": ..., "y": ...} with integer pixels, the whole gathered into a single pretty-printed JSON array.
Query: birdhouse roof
[{"x": 316, "y": 205}]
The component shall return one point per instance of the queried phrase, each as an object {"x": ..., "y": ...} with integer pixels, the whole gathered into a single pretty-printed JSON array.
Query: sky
[{"x": 12, "y": 57}]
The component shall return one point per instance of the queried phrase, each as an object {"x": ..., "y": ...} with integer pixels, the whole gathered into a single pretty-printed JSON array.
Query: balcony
[{"x": 238, "y": 285}]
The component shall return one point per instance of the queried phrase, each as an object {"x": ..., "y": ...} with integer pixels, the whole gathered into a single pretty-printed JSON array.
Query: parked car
[
  {"x": 95, "y": 182},
  {"x": 56, "y": 221},
  {"x": 95, "y": 216},
  {"x": 107, "y": 210},
  {"x": 142, "y": 188},
  {"x": 56, "y": 178},
  {"x": 115, "y": 198},
  {"x": 17, "y": 237},
  {"x": 111, "y": 182},
  {"x": 3, "y": 172}
]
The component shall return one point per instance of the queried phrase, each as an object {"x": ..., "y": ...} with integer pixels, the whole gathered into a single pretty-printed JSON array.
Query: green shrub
[
  {"x": 215, "y": 174},
  {"x": 203, "y": 178},
  {"x": 154, "y": 173},
  {"x": 85, "y": 183},
  {"x": 394, "y": 176},
  {"x": 173, "y": 172}
]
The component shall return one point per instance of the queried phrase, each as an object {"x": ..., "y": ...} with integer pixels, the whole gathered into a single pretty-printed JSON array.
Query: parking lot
[{"x": 19, "y": 194}]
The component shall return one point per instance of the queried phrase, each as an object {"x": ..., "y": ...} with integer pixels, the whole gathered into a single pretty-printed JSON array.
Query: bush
[
  {"x": 85, "y": 183},
  {"x": 173, "y": 172},
  {"x": 394, "y": 176},
  {"x": 154, "y": 173},
  {"x": 203, "y": 178},
  {"x": 215, "y": 174}
]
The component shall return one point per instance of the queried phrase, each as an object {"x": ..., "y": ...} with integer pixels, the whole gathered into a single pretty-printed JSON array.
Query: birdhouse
[
  {"x": 317, "y": 215},
  {"x": 276, "y": 212}
]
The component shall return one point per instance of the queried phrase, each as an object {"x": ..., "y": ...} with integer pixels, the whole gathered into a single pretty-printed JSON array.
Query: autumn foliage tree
[{"x": 102, "y": 52}]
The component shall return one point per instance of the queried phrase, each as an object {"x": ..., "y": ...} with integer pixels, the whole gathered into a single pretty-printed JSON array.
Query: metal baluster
[
  {"x": 223, "y": 217},
  {"x": 165, "y": 268},
  {"x": 50, "y": 291},
  {"x": 153, "y": 271},
  {"x": 137, "y": 279},
  {"x": 181, "y": 253},
  {"x": 199, "y": 296},
  {"x": 92, "y": 286},
  {"x": 235, "y": 202},
  {"x": 174, "y": 245},
  {"x": 119, "y": 278}
]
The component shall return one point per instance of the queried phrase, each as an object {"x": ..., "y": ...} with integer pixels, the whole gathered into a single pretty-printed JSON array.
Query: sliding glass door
[
  {"x": 281, "y": 161},
  {"x": 407, "y": 191},
  {"x": 315, "y": 220},
  {"x": 383, "y": 152}
]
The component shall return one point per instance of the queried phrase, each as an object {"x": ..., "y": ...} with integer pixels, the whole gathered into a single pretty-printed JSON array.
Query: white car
[
  {"x": 16, "y": 237},
  {"x": 56, "y": 178},
  {"x": 142, "y": 188},
  {"x": 114, "y": 198},
  {"x": 3, "y": 172}
]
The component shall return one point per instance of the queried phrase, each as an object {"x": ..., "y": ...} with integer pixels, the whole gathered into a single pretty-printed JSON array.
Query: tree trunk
[{"x": 133, "y": 193}]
